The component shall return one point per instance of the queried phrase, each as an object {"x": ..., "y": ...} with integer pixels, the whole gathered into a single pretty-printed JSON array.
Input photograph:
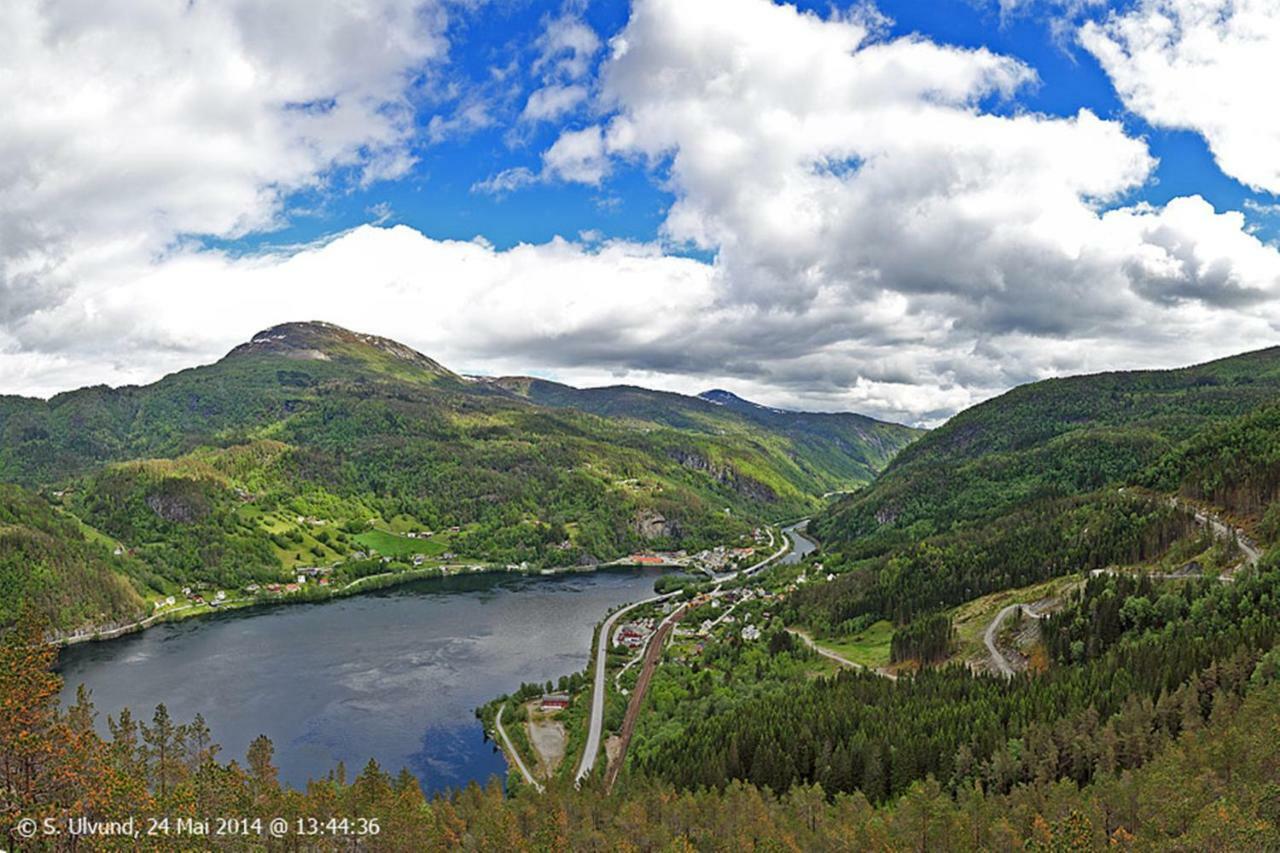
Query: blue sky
[
  {"x": 437, "y": 197},
  {"x": 900, "y": 208}
]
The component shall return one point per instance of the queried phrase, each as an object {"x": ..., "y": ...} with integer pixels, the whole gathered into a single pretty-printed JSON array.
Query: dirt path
[
  {"x": 511, "y": 750},
  {"x": 838, "y": 658},
  {"x": 548, "y": 739}
]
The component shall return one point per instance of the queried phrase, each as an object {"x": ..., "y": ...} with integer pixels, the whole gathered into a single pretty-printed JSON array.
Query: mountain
[
  {"x": 1059, "y": 437},
  {"x": 837, "y": 450},
  {"x": 47, "y": 562},
  {"x": 312, "y": 444},
  {"x": 1073, "y": 535}
]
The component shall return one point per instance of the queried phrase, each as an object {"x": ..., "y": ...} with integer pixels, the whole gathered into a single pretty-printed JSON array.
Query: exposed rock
[
  {"x": 318, "y": 341},
  {"x": 748, "y": 487},
  {"x": 175, "y": 509},
  {"x": 652, "y": 524},
  {"x": 178, "y": 501}
]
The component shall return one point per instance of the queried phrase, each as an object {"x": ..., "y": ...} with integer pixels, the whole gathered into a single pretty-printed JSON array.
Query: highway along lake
[{"x": 394, "y": 675}]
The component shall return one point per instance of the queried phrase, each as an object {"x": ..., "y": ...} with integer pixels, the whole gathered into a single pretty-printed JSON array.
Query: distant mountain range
[{"x": 305, "y": 441}]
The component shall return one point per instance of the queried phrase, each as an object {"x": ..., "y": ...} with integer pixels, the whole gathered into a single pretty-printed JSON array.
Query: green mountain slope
[
  {"x": 1052, "y": 438},
  {"x": 48, "y": 563},
  {"x": 310, "y": 445},
  {"x": 836, "y": 450}
]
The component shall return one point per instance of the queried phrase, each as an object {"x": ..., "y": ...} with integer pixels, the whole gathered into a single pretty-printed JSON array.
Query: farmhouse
[{"x": 554, "y": 701}]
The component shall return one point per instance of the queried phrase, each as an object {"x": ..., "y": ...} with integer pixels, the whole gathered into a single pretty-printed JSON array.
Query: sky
[{"x": 901, "y": 208}]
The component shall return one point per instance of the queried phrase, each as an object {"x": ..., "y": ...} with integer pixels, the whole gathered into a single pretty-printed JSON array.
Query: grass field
[
  {"x": 391, "y": 545},
  {"x": 870, "y": 648}
]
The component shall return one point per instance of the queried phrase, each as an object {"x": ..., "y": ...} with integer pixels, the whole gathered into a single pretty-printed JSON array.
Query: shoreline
[
  {"x": 356, "y": 587},
  {"x": 383, "y": 580}
]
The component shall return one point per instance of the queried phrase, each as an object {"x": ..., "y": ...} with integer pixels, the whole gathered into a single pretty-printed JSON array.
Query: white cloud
[
  {"x": 470, "y": 116},
  {"x": 890, "y": 232},
  {"x": 551, "y": 102},
  {"x": 1208, "y": 66},
  {"x": 507, "y": 181},
  {"x": 566, "y": 52},
  {"x": 577, "y": 156},
  {"x": 836, "y": 175},
  {"x": 594, "y": 314},
  {"x": 129, "y": 123},
  {"x": 566, "y": 48}
]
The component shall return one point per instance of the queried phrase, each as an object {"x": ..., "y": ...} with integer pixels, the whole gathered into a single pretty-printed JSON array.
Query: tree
[
  {"x": 164, "y": 748},
  {"x": 265, "y": 776}
]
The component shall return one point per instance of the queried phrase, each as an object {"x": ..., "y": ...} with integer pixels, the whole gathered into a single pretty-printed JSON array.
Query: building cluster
[
  {"x": 727, "y": 602},
  {"x": 633, "y": 635},
  {"x": 657, "y": 558}
]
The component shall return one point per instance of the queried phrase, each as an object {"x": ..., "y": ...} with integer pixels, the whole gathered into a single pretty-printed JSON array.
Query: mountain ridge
[
  {"x": 310, "y": 444},
  {"x": 1060, "y": 436}
]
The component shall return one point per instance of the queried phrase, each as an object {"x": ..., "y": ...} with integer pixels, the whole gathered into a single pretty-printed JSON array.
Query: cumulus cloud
[
  {"x": 1207, "y": 66},
  {"x": 832, "y": 171},
  {"x": 127, "y": 124},
  {"x": 584, "y": 312},
  {"x": 888, "y": 230},
  {"x": 566, "y": 48},
  {"x": 594, "y": 312},
  {"x": 551, "y": 102},
  {"x": 566, "y": 52},
  {"x": 578, "y": 156}
]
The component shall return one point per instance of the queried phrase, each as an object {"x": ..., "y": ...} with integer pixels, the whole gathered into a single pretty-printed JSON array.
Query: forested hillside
[
  {"x": 1133, "y": 491},
  {"x": 49, "y": 566},
  {"x": 312, "y": 445},
  {"x": 1053, "y": 438},
  {"x": 1202, "y": 777},
  {"x": 838, "y": 450}
]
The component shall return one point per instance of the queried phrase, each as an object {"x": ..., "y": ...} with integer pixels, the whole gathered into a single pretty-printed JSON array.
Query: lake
[{"x": 394, "y": 675}]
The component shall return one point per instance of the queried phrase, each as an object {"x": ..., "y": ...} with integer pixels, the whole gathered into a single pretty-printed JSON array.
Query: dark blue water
[{"x": 394, "y": 675}]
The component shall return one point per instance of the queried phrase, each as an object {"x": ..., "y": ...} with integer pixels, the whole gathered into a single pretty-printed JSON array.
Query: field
[
  {"x": 391, "y": 545},
  {"x": 870, "y": 647}
]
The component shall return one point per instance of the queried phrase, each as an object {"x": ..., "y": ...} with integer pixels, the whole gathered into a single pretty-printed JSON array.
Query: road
[
  {"x": 596, "y": 726},
  {"x": 1226, "y": 531},
  {"x": 1219, "y": 527},
  {"x": 989, "y": 637},
  {"x": 511, "y": 750}
]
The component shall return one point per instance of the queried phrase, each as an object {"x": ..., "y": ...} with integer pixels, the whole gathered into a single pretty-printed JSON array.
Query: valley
[
  {"x": 314, "y": 459},
  {"x": 1041, "y": 601}
]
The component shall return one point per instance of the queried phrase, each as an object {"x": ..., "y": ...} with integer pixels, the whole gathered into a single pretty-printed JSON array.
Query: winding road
[
  {"x": 989, "y": 636},
  {"x": 511, "y": 750},
  {"x": 1217, "y": 525}
]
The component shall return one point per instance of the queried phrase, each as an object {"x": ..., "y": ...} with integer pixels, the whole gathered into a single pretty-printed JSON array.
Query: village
[{"x": 711, "y": 561}]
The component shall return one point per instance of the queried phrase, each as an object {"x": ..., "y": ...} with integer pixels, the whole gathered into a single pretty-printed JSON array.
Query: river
[
  {"x": 801, "y": 545},
  {"x": 394, "y": 675}
]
